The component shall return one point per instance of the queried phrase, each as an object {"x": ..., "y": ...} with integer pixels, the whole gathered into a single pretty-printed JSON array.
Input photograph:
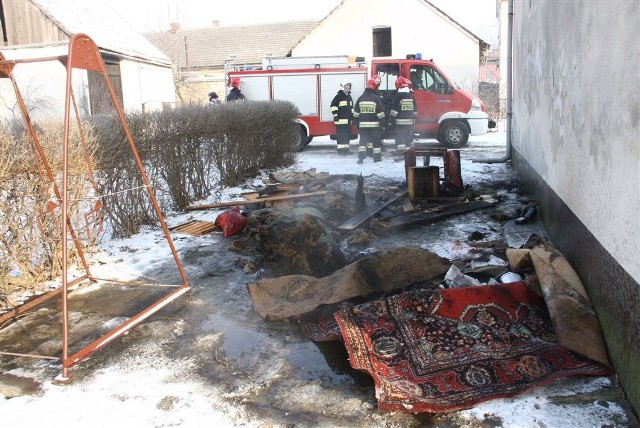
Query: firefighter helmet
[
  {"x": 377, "y": 79},
  {"x": 235, "y": 82},
  {"x": 373, "y": 84},
  {"x": 345, "y": 82},
  {"x": 402, "y": 82}
]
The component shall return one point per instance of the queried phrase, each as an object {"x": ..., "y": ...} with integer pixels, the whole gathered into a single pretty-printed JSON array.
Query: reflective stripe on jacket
[
  {"x": 404, "y": 108},
  {"x": 342, "y": 109},
  {"x": 369, "y": 109}
]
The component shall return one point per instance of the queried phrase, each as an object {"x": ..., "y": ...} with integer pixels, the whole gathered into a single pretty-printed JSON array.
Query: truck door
[{"x": 433, "y": 94}]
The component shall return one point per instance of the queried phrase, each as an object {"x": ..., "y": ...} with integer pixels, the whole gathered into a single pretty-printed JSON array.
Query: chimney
[
  {"x": 174, "y": 27},
  {"x": 215, "y": 23}
]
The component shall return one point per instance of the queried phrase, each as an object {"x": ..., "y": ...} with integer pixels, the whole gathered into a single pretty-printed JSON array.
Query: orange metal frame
[{"x": 83, "y": 54}]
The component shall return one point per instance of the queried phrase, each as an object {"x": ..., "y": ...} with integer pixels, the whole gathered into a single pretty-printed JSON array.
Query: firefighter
[
  {"x": 234, "y": 93},
  {"x": 403, "y": 112},
  {"x": 369, "y": 114},
  {"x": 342, "y": 110}
]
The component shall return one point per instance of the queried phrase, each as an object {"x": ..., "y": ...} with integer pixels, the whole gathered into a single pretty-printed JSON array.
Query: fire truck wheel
[
  {"x": 301, "y": 139},
  {"x": 454, "y": 134}
]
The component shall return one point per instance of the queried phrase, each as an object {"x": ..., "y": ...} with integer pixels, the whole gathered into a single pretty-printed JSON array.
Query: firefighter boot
[{"x": 362, "y": 153}]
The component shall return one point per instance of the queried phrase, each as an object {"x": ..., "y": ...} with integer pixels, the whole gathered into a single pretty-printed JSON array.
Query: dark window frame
[{"x": 381, "y": 36}]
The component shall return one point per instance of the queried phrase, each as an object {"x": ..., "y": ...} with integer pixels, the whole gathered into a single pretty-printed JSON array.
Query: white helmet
[{"x": 345, "y": 82}]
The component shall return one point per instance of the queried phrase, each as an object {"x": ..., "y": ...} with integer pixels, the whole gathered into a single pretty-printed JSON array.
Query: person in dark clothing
[
  {"x": 403, "y": 112},
  {"x": 369, "y": 113},
  {"x": 213, "y": 98},
  {"x": 235, "y": 94},
  {"x": 342, "y": 110}
]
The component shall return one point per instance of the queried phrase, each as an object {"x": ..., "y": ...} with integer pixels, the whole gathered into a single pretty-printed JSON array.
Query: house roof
[
  {"x": 110, "y": 31},
  {"x": 210, "y": 47}
]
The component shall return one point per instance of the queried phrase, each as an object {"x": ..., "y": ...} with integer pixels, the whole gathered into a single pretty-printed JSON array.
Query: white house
[
  {"x": 378, "y": 28},
  {"x": 140, "y": 73}
]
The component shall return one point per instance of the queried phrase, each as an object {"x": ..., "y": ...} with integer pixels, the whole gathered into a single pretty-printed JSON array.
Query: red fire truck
[{"x": 445, "y": 112}]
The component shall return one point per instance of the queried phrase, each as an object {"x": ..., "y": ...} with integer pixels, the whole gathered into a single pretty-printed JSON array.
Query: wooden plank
[
  {"x": 363, "y": 216},
  {"x": 196, "y": 227},
  {"x": 257, "y": 201},
  {"x": 407, "y": 205},
  {"x": 433, "y": 216}
]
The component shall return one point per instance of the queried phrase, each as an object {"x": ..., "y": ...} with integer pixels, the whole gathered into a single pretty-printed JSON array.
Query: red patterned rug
[{"x": 450, "y": 349}]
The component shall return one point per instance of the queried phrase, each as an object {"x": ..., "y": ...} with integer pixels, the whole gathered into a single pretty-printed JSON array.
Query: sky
[{"x": 155, "y": 15}]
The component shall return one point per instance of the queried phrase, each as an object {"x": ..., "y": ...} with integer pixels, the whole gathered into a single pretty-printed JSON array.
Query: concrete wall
[
  {"x": 415, "y": 27},
  {"x": 576, "y": 142}
]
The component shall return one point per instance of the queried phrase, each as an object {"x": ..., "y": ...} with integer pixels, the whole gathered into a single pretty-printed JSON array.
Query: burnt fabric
[
  {"x": 320, "y": 325},
  {"x": 450, "y": 349}
]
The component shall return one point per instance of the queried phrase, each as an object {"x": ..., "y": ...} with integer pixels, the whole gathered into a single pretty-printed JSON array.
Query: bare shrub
[
  {"x": 251, "y": 136},
  {"x": 30, "y": 209},
  {"x": 188, "y": 152}
]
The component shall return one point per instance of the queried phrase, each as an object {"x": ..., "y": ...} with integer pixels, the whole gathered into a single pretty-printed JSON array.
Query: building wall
[
  {"x": 146, "y": 86},
  {"x": 415, "y": 28},
  {"x": 26, "y": 24},
  {"x": 42, "y": 86},
  {"x": 195, "y": 87},
  {"x": 576, "y": 133}
]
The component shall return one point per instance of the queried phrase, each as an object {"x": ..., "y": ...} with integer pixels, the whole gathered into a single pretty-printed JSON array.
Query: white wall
[
  {"x": 415, "y": 27},
  {"x": 146, "y": 85},
  {"x": 42, "y": 86},
  {"x": 577, "y": 112}
]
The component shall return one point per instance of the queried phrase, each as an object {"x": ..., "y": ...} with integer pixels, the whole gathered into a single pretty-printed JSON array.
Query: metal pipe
[
  {"x": 507, "y": 154},
  {"x": 65, "y": 224}
]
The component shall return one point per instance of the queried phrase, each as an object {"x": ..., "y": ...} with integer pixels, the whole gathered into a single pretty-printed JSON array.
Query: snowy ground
[{"x": 209, "y": 360}]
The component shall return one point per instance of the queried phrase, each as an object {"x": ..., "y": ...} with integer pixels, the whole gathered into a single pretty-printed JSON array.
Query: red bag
[{"x": 231, "y": 221}]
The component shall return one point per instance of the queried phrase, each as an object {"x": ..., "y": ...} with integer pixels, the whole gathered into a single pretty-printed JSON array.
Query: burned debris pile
[{"x": 400, "y": 310}]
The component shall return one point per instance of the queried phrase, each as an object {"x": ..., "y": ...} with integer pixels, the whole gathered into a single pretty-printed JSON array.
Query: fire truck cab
[{"x": 445, "y": 112}]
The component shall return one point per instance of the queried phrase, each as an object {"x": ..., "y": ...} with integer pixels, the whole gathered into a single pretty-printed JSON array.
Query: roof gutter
[{"x": 507, "y": 155}]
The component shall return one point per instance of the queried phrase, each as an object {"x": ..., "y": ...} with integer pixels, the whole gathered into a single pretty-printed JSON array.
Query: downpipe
[{"x": 507, "y": 154}]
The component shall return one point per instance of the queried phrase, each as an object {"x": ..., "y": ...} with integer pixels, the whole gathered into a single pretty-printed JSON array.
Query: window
[
  {"x": 382, "y": 41},
  {"x": 427, "y": 79},
  {"x": 388, "y": 75}
]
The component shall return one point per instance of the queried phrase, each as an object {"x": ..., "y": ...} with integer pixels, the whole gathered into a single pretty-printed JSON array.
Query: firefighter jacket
[
  {"x": 369, "y": 110},
  {"x": 235, "y": 95},
  {"x": 404, "y": 108},
  {"x": 342, "y": 109}
]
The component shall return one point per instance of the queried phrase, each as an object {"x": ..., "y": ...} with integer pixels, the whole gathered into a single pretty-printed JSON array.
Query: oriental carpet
[{"x": 446, "y": 350}]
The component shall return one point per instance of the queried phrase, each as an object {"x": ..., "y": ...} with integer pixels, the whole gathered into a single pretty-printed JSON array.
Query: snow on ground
[{"x": 151, "y": 390}]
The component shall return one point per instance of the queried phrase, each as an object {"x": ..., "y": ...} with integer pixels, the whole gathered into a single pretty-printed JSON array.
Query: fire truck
[{"x": 445, "y": 112}]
